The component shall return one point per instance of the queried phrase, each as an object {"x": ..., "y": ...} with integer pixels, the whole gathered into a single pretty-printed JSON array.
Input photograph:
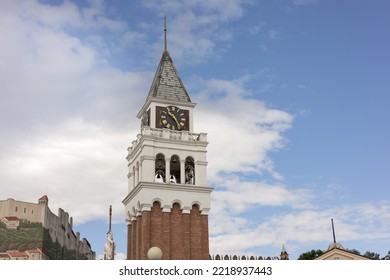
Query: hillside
[{"x": 21, "y": 239}]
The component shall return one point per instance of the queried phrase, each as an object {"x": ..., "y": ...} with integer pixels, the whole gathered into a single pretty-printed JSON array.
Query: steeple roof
[
  {"x": 167, "y": 84},
  {"x": 284, "y": 249}
]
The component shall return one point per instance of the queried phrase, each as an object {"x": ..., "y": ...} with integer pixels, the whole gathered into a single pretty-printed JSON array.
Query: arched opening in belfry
[
  {"x": 159, "y": 173},
  {"x": 175, "y": 169},
  {"x": 189, "y": 171}
]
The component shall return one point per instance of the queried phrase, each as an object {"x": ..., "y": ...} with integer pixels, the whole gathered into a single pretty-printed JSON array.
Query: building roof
[
  {"x": 167, "y": 84},
  {"x": 11, "y": 218},
  {"x": 337, "y": 252},
  {"x": 17, "y": 254},
  {"x": 284, "y": 249},
  {"x": 4, "y": 255},
  {"x": 34, "y": 251},
  {"x": 44, "y": 198}
]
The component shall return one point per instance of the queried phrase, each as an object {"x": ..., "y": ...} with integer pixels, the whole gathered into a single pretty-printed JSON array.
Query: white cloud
[
  {"x": 65, "y": 113},
  {"x": 67, "y": 14},
  {"x": 67, "y": 117},
  {"x": 118, "y": 256},
  {"x": 70, "y": 140},
  {"x": 304, "y": 2},
  {"x": 241, "y": 130},
  {"x": 273, "y": 34},
  {"x": 303, "y": 228},
  {"x": 217, "y": 10},
  {"x": 240, "y": 143},
  {"x": 80, "y": 166},
  {"x": 195, "y": 28}
]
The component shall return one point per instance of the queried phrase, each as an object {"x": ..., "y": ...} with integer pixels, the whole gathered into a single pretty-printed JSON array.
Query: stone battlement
[{"x": 238, "y": 257}]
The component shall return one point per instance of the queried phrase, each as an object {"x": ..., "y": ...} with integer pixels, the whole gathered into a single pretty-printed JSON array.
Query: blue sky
[{"x": 293, "y": 96}]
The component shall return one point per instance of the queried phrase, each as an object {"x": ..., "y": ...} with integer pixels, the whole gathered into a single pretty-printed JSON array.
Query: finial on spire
[
  {"x": 109, "y": 247},
  {"x": 109, "y": 222},
  {"x": 334, "y": 234},
  {"x": 165, "y": 33}
]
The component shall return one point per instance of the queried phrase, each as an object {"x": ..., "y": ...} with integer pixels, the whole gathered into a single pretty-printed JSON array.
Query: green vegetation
[
  {"x": 31, "y": 236},
  {"x": 28, "y": 224},
  {"x": 57, "y": 252},
  {"x": 310, "y": 255},
  {"x": 21, "y": 239}
]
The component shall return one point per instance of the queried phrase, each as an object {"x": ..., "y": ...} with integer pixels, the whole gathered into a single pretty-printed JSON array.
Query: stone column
[
  {"x": 182, "y": 171},
  {"x": 167, "y": 169}
]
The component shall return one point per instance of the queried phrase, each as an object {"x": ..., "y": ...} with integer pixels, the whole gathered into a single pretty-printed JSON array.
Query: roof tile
[{"x": 167, "y": 84}]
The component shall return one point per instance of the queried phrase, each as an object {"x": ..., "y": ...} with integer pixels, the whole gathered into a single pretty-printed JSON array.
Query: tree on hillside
[
  {"x": 371, "y": 255},
  {"x": 310, "y": 255},
  {"x": 368, "y": 254},
  {"x": 387, "y": 257},
  {"x": 313, "y": 254},
  {"x": 355, "y": 251}
]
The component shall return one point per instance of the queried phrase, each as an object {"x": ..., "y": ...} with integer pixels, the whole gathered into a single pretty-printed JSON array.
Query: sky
[{"x": 293, "y": 95}]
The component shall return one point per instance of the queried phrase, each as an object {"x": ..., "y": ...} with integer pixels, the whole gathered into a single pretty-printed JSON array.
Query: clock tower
[{"x": 168, "y": 197}]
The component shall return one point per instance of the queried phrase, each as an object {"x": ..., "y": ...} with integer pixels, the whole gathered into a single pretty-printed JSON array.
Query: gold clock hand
[{"x": 175, "y": 119}]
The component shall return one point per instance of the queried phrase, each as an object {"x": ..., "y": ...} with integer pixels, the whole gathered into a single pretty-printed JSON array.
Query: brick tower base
[{"x": 181, "y": 234}]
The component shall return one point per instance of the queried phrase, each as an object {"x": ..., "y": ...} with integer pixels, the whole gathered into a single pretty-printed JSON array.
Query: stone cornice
[{"x": 164, "y": 187}]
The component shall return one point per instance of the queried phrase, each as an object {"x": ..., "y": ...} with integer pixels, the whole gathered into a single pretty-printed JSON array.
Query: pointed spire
[
  {"x": 165, "y": 34},
  {"x": 284, "y": 255},
  {"x": 167, "y": 84},
  {"x": 334, "y": 244},
  {"x": 110, "y": 215},
  {"x": 334, "y": 234}
]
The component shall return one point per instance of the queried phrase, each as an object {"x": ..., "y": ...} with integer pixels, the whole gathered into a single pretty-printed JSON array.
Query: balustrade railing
[{"x": 169, "y": 134}]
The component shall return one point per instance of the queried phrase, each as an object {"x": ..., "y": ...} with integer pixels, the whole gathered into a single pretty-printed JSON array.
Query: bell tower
[{"x": 168, "y": 197}]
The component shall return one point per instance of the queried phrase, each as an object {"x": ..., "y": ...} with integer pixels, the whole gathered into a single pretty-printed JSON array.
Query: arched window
[
  {"x": 159, "y": 172},
  {"x": 134, "y": 182},
  {"x": 175, "y": 170},
  {"x": 189, "y": 171}
]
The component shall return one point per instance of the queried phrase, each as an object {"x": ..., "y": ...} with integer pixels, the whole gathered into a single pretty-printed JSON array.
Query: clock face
[{"x": 173, "y": 117}]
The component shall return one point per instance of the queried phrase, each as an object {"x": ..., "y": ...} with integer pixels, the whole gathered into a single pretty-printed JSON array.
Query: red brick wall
[
  {"x": 145, "y": 234},
  {"x": 205, "y": 237},
  {"x": 186, "y": 237},
  {"x": 180, "y": 236},
  {"x": 129, "y": 240},
  {"x": 156, "y": 226},
  {"x": 176, "y": 233},
  {"x": 196, "y": 233},
  {"x": 166, "y": 248},
  {"x": 138, "y": 238}
]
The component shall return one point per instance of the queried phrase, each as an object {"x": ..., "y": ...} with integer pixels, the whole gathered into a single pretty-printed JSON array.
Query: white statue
[
  {"x": 109, "y": 247},
  {"x": 190, "y": 176}
]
